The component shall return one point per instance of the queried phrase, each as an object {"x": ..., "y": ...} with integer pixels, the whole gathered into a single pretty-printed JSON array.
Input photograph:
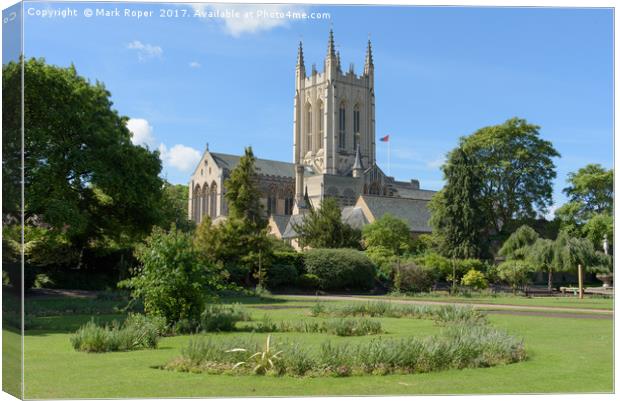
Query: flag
[{"x": 385, "y": 138}]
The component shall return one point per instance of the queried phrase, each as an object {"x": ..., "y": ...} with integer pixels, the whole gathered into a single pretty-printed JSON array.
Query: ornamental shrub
[
  {"x": 171, "y": 280},
  {"x": 474, "y": 279},
  {"x": 340, "y": 268}
]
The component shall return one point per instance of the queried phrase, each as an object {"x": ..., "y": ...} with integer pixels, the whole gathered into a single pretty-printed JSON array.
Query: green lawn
[{"x": 560, "y": 350}]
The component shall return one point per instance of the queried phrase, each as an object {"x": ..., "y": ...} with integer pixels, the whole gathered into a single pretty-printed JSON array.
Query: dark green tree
[
  {"x": 323, "y": 228},
  {"x": 241, "y": 244},
  {"x": 516, "y": 170},
  {"x": 242, "y": 193},
  {"x": 83, "y": 177},
  {"x": 456, "y": 210}
]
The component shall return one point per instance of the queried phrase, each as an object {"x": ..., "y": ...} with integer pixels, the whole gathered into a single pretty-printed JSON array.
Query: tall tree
[
  {"x": 83, "y": 176},
  {"x": 456, "y": 210},
  {"x": 516, "y": 169},
  {"x": 388, "y": 232},
  {"x": 323, "y": 228},
  {"x": 589, "y": 212},
  {"x": 593, "y": 187},
  {"x": 242, "y": 193},
  {"x": 241, "y": 243}
]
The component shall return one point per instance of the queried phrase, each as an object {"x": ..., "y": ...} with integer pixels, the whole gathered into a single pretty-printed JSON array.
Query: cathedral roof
[
  {"x": 263, "y": 166},
  {"x": 414, "y": 211},
  {"x": 281, "y": 222},
  {"x": 354, "y": 216},
  {"x": 412, "y": 193}
]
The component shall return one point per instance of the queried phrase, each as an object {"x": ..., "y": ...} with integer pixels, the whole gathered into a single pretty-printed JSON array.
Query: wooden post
[{"x": 580, "y": 278}]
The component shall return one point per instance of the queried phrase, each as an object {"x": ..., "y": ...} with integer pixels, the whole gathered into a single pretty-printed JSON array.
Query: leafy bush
[
  {"x": 171, "y": 280},
  {"x": 279, "y": 275},
  {"x": 444, "y": 268},
  {"x": 384, "y": 259},
  {"x": 138, "y": 331},
  {"x": 514, "y": 272},
  {"x": 475, "y": 279},
  {"x": 340, "y": 268},
  {"x": 415, "y": 278},
  {"x": 439, "y": 265},
  {"x": 309, "y": 281}
]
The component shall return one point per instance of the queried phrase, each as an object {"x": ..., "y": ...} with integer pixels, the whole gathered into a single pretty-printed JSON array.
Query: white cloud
[
  {"x": 145, "y": 51},
  {"x": 195, "y": 64},
  {"x": 142, "y": 132},
  {"x": 248, "y": 18},
  {"x": 181, "y": 157}
]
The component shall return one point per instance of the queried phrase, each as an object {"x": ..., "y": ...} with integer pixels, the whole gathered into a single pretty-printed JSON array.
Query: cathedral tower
[{"x": 334, "y": 115}]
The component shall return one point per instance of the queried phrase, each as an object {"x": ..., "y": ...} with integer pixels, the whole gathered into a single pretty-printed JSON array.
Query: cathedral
[{"x": 334, "y": 155}]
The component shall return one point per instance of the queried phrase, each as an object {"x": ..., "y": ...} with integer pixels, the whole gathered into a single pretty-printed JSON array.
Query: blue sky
[{"x": 440, "y": 73}]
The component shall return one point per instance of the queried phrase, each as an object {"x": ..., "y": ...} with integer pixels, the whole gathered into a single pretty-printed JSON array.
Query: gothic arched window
[
  {"x": 319, "y": 136},
  {"x": 213, "y": 201},
  {"x": 342, "y": 127},
  {"x": 309, "y": 128}
]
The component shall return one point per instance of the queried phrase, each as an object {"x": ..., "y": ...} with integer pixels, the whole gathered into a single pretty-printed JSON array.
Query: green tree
[
  {"x": 171, "y": 280},
  {"x": 516, "y": 170},
  {"x": 576, "y": 253},
  {"x": 593, "y": 187},
  {"x": 599, "y": 227},
  {"x": 517, "y": 245},
  {"x": 588, "y": 214},
  {"x": 515, "y": 272},
  {"x": 174, "y": 207},
  {"x": 541, "y": 256},
  {"x": 387, "y": 232},
  {"x": 82, "y": 174},
  {"x": 242, "y": 193},
  {"x": 241, "y": 243},
  {"x": 456, "y": 212},
  {"x": 323, "y": 228}
]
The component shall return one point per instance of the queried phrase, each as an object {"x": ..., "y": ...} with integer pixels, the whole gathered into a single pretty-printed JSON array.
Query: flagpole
[{"x": 389, "y": 159}]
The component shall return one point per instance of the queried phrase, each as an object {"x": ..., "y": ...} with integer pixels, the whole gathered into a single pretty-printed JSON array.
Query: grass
[{"x": 558, "y": 349}]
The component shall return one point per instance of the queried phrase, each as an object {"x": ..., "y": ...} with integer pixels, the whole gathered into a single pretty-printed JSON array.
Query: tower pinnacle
[
  {"x": 300, "y": 55},
  {"x": 369, "y": 63},
  {"x": 331, "y": 47}
]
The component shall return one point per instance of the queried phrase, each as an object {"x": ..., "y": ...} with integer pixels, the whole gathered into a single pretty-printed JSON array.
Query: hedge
[{"x": 340, "y": 268}]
